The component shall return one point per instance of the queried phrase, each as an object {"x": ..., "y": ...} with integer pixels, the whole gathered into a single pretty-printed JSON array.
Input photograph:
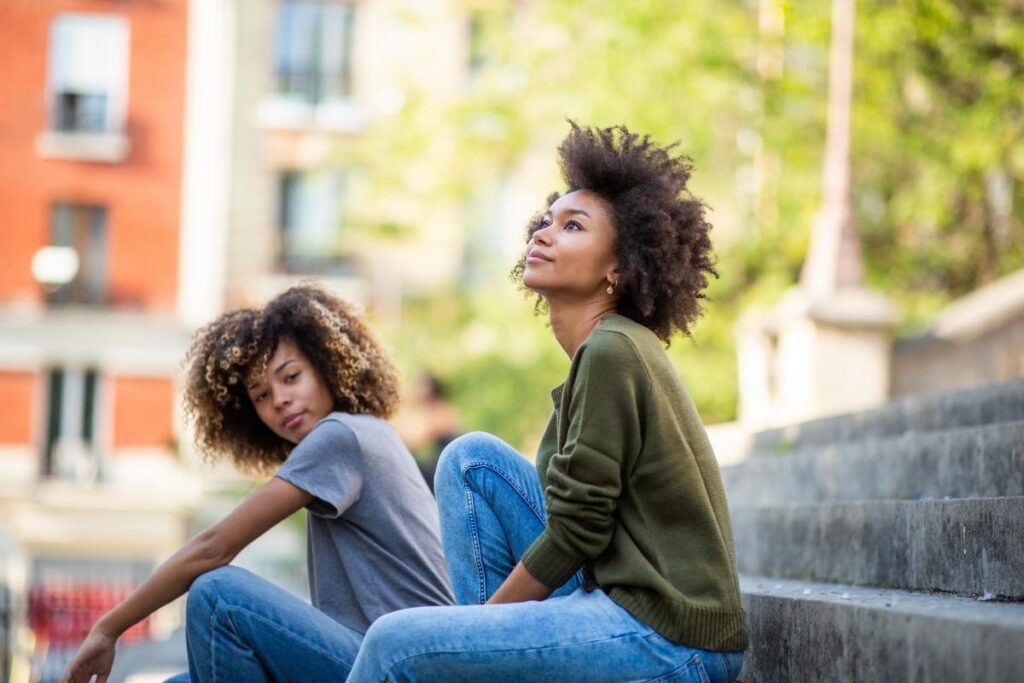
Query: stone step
[
  {"x": 972, "y": 546},
  {"x": 801, "y": 631},
  {"x": 987, "y": 404},
  {"x": 986, "y": 461}
]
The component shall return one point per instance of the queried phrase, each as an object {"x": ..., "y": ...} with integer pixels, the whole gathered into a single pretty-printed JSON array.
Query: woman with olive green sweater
[{"x": 613, "y": 560}]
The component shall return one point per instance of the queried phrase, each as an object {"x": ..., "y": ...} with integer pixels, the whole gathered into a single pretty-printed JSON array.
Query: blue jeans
[
  {"x": 492, "y": 509},
  {"x": 240, "y": 627}
]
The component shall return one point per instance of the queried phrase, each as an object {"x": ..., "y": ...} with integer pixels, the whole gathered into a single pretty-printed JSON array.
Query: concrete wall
[{"x": 932, "y": 363}]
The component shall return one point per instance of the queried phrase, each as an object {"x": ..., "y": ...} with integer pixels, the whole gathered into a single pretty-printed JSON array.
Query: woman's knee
[
  {"x": 207, "y": 588},
  {"x": 467, "y": 449},
  {"x": 396, "y": 636}
]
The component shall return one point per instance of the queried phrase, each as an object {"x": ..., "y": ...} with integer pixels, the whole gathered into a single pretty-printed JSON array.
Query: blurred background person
[{"x": 427, "y": 423}]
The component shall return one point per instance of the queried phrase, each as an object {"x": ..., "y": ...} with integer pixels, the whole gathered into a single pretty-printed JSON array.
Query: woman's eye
[
  {"x": 259, "y": 397},
  {"x": 291, "y": 377},
  {"x": 573, "y": 225}
]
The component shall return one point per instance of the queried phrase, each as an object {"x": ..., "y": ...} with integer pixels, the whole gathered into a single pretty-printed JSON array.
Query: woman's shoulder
[
  {"x": 618, "y": 324},
  {"x": 354, "y": 421},
  {"x": 618, "y": 339},
  {"x": 334, "y": 429},
  {"x": 612, "y": 353},
  {"x": 364, "y": 432}
]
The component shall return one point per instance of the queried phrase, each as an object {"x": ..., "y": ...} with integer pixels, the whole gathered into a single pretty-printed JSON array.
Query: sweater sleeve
[{"x": 584, "y": 480}]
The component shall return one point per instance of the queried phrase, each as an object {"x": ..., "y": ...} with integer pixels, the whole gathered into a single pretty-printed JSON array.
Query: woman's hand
[
  {"x": 94, "y": 656},
  {"x": 520, "y": 586}
]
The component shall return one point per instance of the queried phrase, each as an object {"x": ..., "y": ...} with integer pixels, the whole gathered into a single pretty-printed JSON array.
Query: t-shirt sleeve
[
  {"x": 584, "y": 481},
  {"x": 328, "y": 465}
]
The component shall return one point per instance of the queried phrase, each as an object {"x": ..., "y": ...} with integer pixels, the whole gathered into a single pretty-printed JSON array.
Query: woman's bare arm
[{"x": 211, "y": 548}]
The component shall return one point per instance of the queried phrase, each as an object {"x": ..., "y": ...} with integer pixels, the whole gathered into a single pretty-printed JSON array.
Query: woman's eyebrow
[
  {"x": 257, "y": 382},
  {"x": 281, "y": 366},
  {"x": 571, "y": 212}
]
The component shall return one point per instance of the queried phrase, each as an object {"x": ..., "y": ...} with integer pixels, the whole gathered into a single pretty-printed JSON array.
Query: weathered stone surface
[
  {"x": 972, "y": 546},
  {"x": 802, "y": 631},
  {"x": 988, "y": 404},
  {"x": 984, "y": 461}
]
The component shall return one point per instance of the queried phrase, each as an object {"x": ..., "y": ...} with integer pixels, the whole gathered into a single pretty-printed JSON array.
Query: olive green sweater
[{"x": 634, "y": 494}]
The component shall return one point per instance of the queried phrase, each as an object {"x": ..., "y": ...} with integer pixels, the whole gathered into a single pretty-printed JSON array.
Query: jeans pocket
[
  {"x": 692, "y": 671},
  {"x": 733, "y": 664}
]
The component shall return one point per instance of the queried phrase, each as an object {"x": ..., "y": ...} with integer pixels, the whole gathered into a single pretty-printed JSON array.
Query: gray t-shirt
[{"x": 374, "y": 543}]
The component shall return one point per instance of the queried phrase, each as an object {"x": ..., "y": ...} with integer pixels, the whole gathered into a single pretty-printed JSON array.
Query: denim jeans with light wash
[
  {"x": 492, "y": 509},
  {"x": 240, "y": 627},
  {"x": 243, "y": 628}
]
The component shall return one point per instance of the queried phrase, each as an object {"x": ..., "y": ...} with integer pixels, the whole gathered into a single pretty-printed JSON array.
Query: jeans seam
[
  {"x": 478, "y": 556},
  {"x": 213, "y": 639},
  {"x": 693, "y": 661},
  {"x": 541, "y": 515},
  {"x": 433, "y": 653},
  {"x": 478, "y": 551},
  {"x": 260, "y": 617}
]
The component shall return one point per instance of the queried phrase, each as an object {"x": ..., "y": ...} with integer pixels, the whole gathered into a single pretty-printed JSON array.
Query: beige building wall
[{"x": 398, "y": 45}]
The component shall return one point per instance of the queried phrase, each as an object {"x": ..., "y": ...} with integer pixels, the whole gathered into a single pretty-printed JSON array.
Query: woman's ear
[{"x": 613, "y": 274}]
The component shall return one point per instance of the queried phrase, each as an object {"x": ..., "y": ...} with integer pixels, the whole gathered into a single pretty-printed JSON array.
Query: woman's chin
[
  {"x": 532, "y": 282},
  {"x": 536, "y": 288}
]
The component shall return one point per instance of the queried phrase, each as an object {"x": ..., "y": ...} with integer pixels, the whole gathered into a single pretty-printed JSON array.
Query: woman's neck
[{"x": 572, "y": 323}]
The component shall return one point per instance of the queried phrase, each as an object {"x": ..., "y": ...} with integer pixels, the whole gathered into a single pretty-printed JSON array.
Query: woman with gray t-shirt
[{"x": 300, "y": 389}]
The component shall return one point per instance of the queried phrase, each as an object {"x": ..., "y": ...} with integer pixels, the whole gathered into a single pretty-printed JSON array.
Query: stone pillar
[{"x": 825, "y": 347}]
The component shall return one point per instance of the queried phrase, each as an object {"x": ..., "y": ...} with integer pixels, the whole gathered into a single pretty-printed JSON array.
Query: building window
[
  {"x": 71, "y": 399},
  {"x": 314, "y": 50},
  {"x": 81, "y": 228},
  {"x": 88, "y": 74},
  {"x": 310, "y": 219}
]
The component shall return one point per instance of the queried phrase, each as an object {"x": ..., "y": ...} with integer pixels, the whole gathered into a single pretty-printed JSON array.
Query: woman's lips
[
  {"x": 537, "y": 257},
  {"x": 293, "y": 421}
]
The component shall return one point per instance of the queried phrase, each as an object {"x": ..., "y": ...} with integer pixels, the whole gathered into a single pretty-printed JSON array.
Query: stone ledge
[
  {"x": 970, "y": 546},
  {"x": 986, "y": 461},
  {"x": 803, "y": 631}
]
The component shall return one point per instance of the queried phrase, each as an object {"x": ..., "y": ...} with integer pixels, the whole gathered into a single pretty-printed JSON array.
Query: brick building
[
  {"x": 92, "y": 128},
  {"x": 158, "y": 162}
]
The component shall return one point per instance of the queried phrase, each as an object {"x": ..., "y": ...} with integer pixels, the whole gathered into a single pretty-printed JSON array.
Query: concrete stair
[
  {"x": 984, "y": 405},
  {"x": 805, "y": 631},
  {"x": 886, "y": 545}
]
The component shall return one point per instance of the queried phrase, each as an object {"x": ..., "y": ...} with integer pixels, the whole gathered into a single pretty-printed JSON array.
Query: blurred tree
[
  {"x": 937, "y": 146},
  {"x": 940, "y": 144},
  {"x": 938, "y": 158}
]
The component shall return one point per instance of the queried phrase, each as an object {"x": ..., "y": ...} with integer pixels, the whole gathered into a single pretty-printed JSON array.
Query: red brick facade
[
  {"x": 143, "y": 409},
  {"x": 141, "y": 193},
  {"x": 18, "y": 390}
]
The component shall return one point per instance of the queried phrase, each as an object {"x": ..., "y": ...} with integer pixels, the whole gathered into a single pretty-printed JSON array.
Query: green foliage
[
  {"x": 940, "y": 141},
  {"x": 497, "y": 358}
]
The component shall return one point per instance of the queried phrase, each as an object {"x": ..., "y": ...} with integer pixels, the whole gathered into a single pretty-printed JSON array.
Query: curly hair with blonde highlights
[
  {"x": 663, "y": 244},
  {"x": 341, "y": 348}
]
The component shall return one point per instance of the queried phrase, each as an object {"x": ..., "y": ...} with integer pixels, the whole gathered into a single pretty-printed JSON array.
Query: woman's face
[
  {"x": 572, "y": 253},
  {"x": 291, "y": 396}
]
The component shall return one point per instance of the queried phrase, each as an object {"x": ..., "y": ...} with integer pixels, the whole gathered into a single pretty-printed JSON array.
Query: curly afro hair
[
  {"x": 338, "y": 344},
  {"x": 663, "y": 249}
]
